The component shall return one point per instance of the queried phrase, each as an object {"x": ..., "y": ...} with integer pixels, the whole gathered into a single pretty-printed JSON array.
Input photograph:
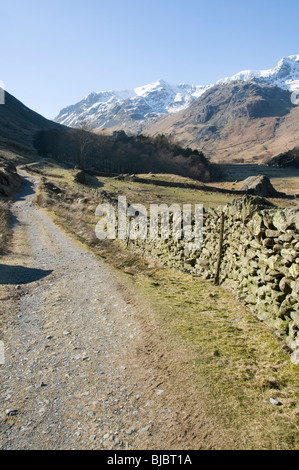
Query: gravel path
[{"x": 70, "y": 380}]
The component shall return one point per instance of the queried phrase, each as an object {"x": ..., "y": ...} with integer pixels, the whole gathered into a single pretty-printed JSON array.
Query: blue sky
[{"x": 56, "y": 52}]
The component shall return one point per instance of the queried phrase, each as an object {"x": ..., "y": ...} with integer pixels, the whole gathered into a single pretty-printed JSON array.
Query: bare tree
[{"x": 85, "y": 140}]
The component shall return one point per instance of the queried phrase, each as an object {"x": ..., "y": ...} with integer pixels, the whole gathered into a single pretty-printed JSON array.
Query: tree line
[{"x": 121, "y": 154}]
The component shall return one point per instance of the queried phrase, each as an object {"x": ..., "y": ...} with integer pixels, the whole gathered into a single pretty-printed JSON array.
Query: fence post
[{"x": 220, "y": 249}]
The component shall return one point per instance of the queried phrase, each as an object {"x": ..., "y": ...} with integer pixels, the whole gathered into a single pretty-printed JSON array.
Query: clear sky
[{"x": 53, "y": 53}]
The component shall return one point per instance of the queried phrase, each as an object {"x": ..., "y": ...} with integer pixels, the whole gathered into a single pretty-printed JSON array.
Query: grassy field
[
  {"x": 135, "y": 192},
  {"x": 227, "y": 363},
  {"x": 289, "y": 186},
  {"x": 285, "y": 180},
  {"x": 151, "y": 193}
]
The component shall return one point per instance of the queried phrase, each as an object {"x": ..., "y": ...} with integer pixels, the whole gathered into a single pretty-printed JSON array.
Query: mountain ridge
[
  {"x": 247, "y": 121},
  {"x": 130, "y": 109},
  {"x": 148, "y": 101},
  {"x": 19, "y": 124}
]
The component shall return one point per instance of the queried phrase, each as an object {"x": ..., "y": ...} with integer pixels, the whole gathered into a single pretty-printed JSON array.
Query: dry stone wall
[{"x": 259, "y": 260}]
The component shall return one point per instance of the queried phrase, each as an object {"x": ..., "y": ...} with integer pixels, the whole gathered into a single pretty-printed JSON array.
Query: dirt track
[
  {"x": 86, "y": 364},
  {"x": 69, "y": 333}
]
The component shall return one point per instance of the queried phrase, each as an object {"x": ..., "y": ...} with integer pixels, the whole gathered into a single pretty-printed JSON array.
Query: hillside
[
  {"x": 237, "y": 120},
  {"x": 19, "y": 124}
]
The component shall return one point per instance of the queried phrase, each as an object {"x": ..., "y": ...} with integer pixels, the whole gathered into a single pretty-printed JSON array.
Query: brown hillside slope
[
  {"x": 235, "y": 121},
  {"x": 19, "y": 124}
]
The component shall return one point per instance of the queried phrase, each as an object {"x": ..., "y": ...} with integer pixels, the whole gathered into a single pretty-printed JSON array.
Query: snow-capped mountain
[
  {"x": 130, "y": 109},
  {"x": 107, "y": 108},
  {"x": 285, "y": 74}
]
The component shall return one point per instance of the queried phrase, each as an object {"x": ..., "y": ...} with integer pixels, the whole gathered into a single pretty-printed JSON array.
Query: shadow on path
[
  {"x": 21, "y": 274},
  {"x": 26, "y": 189}
]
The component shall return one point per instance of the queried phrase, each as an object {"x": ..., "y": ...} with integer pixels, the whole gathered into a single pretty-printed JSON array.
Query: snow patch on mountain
[{"x": 285, "y": 74}]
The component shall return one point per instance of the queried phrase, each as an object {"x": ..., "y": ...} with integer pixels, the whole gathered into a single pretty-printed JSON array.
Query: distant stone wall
[{"x": 259, "y": 260}]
